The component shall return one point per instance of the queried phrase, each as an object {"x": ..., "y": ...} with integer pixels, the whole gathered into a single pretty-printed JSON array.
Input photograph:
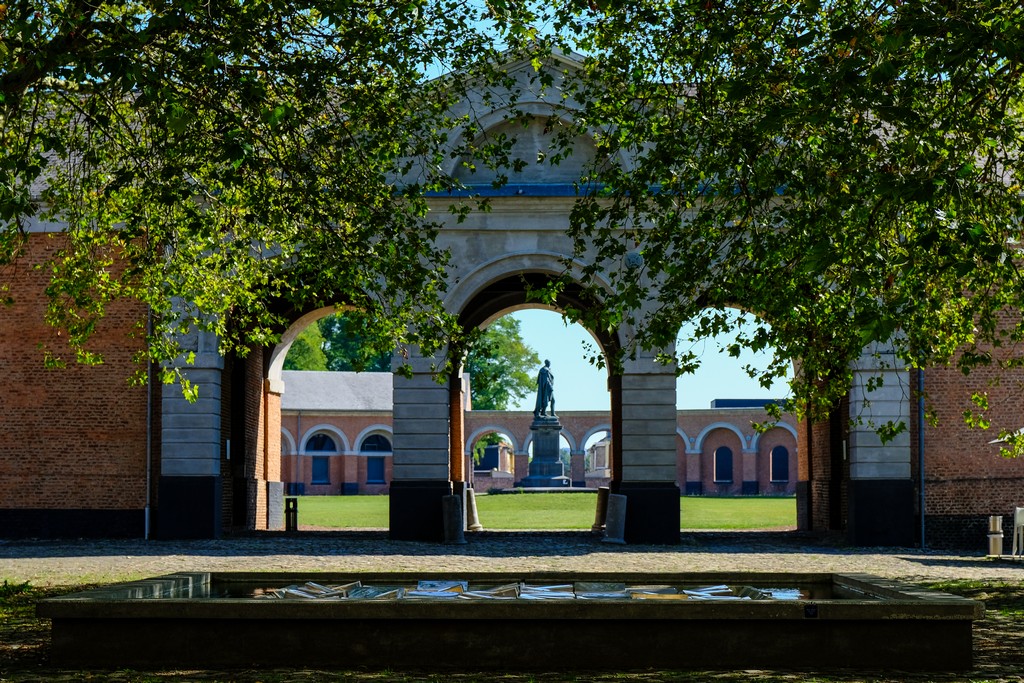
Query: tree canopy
[
  {"x": 307, "y": 351},
  {"x": 224, "y": 161},
  {"x": 500, "y": 364},
  {"x": 849, "y": 170}
]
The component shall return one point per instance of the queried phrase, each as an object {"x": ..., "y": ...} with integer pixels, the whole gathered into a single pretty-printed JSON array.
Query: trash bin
[
  {"x": 995, "y": 536},
  {"x": 291, "y": 514}
]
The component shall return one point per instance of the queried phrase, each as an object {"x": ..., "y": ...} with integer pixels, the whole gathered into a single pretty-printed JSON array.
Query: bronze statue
[{"x": 545, "y": 391}]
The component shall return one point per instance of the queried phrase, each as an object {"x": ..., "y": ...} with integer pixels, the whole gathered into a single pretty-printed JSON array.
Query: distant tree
[
  {"x": 500, "y": 366},
  {"x": 500, "y": 363},
  {"x": 307, "y": 351},
  {"x": 493, "y": 439},
  {"x": 351, "y": 346}
]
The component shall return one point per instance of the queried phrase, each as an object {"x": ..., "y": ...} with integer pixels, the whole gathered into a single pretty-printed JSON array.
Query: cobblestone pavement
[{"x": 51, "y": 563}]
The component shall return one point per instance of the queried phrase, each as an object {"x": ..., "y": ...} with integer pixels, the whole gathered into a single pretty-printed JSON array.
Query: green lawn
[{"x": 553, "y": 511}]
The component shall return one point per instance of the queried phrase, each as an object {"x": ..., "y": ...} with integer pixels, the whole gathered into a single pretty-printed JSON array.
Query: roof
[
  {"x": 325, "y": 391},
  {"x": 745, "y": 402}
]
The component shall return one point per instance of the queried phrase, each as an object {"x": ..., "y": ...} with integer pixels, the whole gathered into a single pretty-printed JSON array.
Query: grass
[{"x": 553, "y": 511}]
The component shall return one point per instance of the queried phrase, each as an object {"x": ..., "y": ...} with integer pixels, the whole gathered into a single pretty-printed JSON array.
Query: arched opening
[
  {"x": 296, "y": 422},
  {"x": 321, "y": 448},
  {"x": 597, "y": 457},
  {"x": 722, "y": 407},
  {"x": 644, "y": 473},
  {"x": 507, "y": 462},
  {"x": 511, "y": 294},
  {"x": 492, "y": 455}
]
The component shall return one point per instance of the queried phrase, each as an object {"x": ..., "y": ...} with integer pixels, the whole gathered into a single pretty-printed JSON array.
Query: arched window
[
  {"x": 723, "y": 465},
  {"x": 321, "y": 464},
  {"x": 375, "y": 443},
  {"x": 322, "y": 442},
  {"x": 779, "y": 464}
]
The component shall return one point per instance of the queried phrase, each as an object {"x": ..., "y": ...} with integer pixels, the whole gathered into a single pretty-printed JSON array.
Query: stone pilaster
[
  {"x": 421, "y": 452},
  {"x": 880, "y": 493},
  {"x": 189, "y": 500}
]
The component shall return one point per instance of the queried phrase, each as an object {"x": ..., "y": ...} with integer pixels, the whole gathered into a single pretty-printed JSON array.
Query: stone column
[
  {"x": 189, "y": 497},
  {"x": 271, "y": 451},
  {"x": 880, "y": 494},
  {"x": 578, "y": 468},
  {"x": 456, "y": 449},
  {"x": 748, "y": 470},
  {"x": 421, "y": 452},
  {"x": 648, "y": 455}
]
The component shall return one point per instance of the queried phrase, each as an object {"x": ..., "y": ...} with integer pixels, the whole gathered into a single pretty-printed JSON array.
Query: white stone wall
[
  {"x": 421, "y": 431},
  {"x": 191, "y": 431},
  {"x": 870, "y": 409}
]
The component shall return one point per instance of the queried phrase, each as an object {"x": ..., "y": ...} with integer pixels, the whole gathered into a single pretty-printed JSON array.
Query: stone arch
[
  {"x": 491, "y": 429},
  {"x": 728, "y": 426},
  {"x": 756, "y": 439},
  {"x": 287, "y": 436},
  {"x": 505, "y": 244},
  {"x": 343, "y": 445},
  {"x": 536, "y": 264},
  {"x": 275, "y": 364},
  {"x": 382, "y": 429},
  {"x": 688, "y": 442},
  {"x": 604, "y": 427}
]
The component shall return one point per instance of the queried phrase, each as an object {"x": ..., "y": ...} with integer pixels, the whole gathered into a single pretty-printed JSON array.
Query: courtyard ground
[{"x": 34, "y": 568}]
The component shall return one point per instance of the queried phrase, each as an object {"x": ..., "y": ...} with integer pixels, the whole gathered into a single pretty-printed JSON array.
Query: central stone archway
[
  {"x": 847, "y": 477},
  {"x": 643, "y": 417}
]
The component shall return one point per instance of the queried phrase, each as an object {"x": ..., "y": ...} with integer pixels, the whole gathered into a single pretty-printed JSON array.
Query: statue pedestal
[{"x": 546, "y": 468}]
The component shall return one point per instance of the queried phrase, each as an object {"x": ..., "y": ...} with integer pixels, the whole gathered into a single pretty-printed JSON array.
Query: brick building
[
  {"x": 83, "y": 453},
  {"x": 336, "y": 431},
  {"x": 98, "y": 467}
]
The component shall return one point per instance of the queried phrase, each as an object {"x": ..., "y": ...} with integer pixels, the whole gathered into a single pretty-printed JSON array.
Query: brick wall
[
  {"x": 255, "y": 465},
  {"x": 818, "y": 473},
  {"x": 72, "y": 438},
  {"x": 965, "y": 478},
  {"x": 346, "y": 472}
]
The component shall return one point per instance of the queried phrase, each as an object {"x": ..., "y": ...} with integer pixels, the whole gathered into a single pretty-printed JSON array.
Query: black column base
[
  {"x": 76, "y": 523},
  {"x": 416, "y": 513},
  {"x": 804, "y": 518},
  {"x": 189, "y": 507},
  {"x": 652, "y": 512},
  {"x": 880, "y": 512}
]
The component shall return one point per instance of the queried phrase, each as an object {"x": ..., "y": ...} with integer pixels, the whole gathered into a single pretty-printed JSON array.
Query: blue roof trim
[
  {"x": 550, "y": 190},
  {"x": 518, "y": 190}
]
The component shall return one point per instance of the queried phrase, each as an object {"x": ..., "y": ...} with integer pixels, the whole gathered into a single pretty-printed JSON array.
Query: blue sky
[{"x": 581, "y": 386}]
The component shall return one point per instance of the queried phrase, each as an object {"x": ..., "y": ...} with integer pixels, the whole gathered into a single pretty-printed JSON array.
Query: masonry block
[
  {"x": 190, "y": 507},
  {"x": 652, "y": 512},
  {"x": 416, "y": 511}
]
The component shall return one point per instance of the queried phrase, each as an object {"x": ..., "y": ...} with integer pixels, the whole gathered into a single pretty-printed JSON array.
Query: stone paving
[{"x": 51, "y": 563}]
